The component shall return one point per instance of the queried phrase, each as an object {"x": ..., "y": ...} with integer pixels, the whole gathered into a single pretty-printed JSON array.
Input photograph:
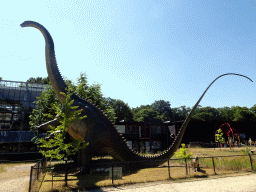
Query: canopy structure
[{"x": 17, "y": 102}]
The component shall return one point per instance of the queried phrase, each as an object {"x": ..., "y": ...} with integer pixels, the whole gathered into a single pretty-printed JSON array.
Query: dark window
[
  {"x": 156, "y": 129},
  {"x": 145, "y": 131},
  {"x": 128, "y": 129},
  {"x": 156, "y": 144},
  {"x": 135, "y": 129},
  {"x": 135, "y": 145}
]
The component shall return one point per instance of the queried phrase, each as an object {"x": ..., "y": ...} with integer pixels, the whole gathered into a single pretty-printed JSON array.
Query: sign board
[{"x": 117, "y": 173}]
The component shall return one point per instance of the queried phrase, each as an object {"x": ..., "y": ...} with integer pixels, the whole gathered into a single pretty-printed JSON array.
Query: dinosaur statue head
[{"x": 96, "y": 128}]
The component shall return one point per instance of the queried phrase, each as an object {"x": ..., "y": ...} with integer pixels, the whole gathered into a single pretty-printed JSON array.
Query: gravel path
[
  {"x": 245, "y": 182},
  {"x": 17, "y": 179}
]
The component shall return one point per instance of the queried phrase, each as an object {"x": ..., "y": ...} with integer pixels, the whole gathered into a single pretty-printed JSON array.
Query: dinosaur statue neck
[{"x": 55, "y": 77}]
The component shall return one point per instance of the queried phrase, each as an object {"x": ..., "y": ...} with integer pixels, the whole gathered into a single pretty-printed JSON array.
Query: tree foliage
[
  {"x": 163, "y": 109},
  {"x": 206, "y": 114},
  {"x": 47, "y": 103},
  {"x": 59, "y": 147},
  {"x": 219, "y": 136},
  {"x": 182, "y": 153},
  {"x": 243, "y": 114},
  {"x": 44, "y": 80},
  {"x": 122, "y": 109},
  {"x": 146, "y": 114},
  {"x": 45, "y": 108}
]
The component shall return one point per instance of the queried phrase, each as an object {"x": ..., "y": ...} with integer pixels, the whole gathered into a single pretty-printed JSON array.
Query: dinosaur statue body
[{"x": 96, "y": 128}]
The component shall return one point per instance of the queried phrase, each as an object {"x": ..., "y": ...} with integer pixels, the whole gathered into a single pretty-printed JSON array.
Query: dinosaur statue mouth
[{"x": 23, "y": 24}]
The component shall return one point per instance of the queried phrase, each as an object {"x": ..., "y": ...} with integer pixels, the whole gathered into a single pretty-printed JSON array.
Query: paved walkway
[{"x": 245, "y": 182}]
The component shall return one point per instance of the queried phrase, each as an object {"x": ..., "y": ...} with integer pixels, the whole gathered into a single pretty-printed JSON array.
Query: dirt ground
[{"x": 16, "y": 178}]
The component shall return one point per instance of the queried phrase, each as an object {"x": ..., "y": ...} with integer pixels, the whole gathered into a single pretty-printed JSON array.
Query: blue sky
[{"x": 139, "y": 51}]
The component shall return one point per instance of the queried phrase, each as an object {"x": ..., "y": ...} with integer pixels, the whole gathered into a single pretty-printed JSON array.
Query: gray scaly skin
[{"x": 96, "y": 128}]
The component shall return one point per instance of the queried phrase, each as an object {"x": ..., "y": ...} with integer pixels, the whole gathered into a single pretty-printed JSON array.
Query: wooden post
[
  {"x": 250, "y": 160},
  {"x": 169, "y": 169},
  {"x": 30, "y": 181},
  {"x": 213, "y": 165},
  {"x": 186, "y": 166},
  {"x": 52, "y": 176},
  {"x": 112, "y": 175},
  {"x": 66, "y": 172}
]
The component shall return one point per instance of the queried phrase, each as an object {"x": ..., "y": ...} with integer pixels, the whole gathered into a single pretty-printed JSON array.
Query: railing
[
  {"x": 37, "y": 175},
  {"x": 115, "y": 173}
]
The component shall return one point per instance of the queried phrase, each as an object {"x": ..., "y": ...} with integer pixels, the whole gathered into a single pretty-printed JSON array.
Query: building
[
  {"x": 16, "y": 104},
  {"x": 148, "y": 136}
]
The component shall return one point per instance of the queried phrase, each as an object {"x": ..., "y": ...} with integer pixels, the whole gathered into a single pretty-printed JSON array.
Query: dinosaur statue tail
[
  {"x": 55, "y": 77},
  {"x": 128, "y": 155},
  {"x": 171, "y": 150}
]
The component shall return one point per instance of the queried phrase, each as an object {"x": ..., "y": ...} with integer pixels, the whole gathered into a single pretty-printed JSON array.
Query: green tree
[
  {"x": 147, "y": 114},
  {"x": 253, "y": 109},
  {"x": 219, "y": 137},
  {"x": 122, "y": 109},
  {"x": 44, "y": 80},
  {"x": 206, "y": 114},
  {"x": 226, "y": 114},
  {"x": 179, "y": 113},
  {"x": 182, "y": 153},
  {"x": 59, "y": 147},
  {"x": 163, "y": 109},
  {"x": 93, "y": 93},
  {"x": 203, "y": 116},
  {"x": 243, "y": 114},
  {"x": 44, "y": 109}
]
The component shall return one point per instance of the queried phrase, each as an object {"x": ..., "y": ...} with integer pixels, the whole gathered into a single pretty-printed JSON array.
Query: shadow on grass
[{"x": 96, "y": 180}]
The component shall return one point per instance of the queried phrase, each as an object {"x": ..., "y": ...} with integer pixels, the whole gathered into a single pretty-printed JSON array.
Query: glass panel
[
  {"x": 129, "y": 143},
  {"x": 153, "y": 129},
  {"x": 147, "y": 132},
  {"x": 164, "y": 129},
  {"x": 172, "y": 129},
  {"x": 147, "y": 146},
  {"x": 158, "y": 130},
  {"x": 121, "y": 128},
  {"x": 135, "y": 145},
  {"x": 142, "y": 147}
]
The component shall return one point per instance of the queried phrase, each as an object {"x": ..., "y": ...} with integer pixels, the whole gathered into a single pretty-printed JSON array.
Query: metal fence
[
  {"x": 37, "y": 175},
  {"x": 115, "y": 173}
]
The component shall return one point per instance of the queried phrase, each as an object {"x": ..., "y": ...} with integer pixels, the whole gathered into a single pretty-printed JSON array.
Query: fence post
[
  {"x": 66, "y": 171},
  {"x": 250, "y": 160},
  {"x": 186, "y": 166},
  {"x": 30, "y": 181},
  {"x": 169, "y": 169},
  {"x": 112, "y": 174},
  {"x": 52, "y": 176},
  {"x": 129, "y": 167},
  {"x": 37, "y": 171},
  {"x": 213, "y": 165}
]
